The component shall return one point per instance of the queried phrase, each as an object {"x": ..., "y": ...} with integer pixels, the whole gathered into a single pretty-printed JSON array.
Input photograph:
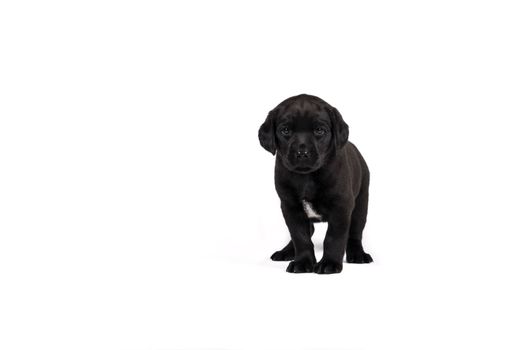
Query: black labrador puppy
[{"x": 319, "y": 176}]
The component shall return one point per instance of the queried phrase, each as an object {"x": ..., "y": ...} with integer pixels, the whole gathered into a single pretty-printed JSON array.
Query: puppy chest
[{"x": 310, "y": 211}]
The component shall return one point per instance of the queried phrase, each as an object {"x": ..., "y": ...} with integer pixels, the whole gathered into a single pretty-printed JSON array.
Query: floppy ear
[
  {"x": 339, "y": 128},
  {"x": 267, "y": 133}
]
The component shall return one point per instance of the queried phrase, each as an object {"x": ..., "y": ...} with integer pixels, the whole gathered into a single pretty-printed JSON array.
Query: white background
[{"x": 137, "y": 209}]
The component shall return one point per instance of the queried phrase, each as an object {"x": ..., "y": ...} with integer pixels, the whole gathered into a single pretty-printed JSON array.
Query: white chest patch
[{"x": 310, "y": 211}]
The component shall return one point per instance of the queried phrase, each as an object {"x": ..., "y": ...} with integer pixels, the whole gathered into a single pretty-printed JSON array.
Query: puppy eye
[
  {"x": 319, "y": 131},
  {"x": 285, "y": 131}
]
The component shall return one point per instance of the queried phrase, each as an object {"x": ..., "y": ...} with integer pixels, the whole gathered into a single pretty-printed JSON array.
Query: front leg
[
  {"x": 299, "y": 227},
  {"x": 334, "y": 243},
  {"x": 288, "y": 252}
]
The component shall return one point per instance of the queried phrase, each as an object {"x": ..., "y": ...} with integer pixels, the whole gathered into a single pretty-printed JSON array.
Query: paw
[
  {"x": 283, "y": 255},
  {"x": 327, "y": 267},
  {"x": 358, "y": 258},
  {"x": 300, "y": 266}
]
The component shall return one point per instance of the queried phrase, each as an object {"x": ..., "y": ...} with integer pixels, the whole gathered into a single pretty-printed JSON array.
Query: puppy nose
[{"x": 302, "y": 154}]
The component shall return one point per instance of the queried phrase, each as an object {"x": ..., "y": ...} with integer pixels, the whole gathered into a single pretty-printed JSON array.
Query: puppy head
[{"x": 304, "y": 130}]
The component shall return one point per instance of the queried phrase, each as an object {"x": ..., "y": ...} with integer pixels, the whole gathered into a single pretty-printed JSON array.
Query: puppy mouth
[
  {"x": 303, "y": 169},
  {"x": 301, "y": 166}
]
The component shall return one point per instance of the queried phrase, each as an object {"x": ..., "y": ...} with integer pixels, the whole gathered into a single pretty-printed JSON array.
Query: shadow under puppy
[{"x": 319, "y": 176}]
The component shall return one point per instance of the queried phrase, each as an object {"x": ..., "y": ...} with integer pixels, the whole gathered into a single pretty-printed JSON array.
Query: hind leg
[
  {"x": 288, "y": 252},
  {"x": 354, "y": 248}
]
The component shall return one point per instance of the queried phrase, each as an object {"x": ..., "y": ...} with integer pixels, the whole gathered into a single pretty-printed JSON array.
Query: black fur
[{"x": 315, "y": 162}]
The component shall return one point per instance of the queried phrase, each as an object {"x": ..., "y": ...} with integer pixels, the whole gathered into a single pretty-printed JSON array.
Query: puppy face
[{"x": 304, "y": 130}]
